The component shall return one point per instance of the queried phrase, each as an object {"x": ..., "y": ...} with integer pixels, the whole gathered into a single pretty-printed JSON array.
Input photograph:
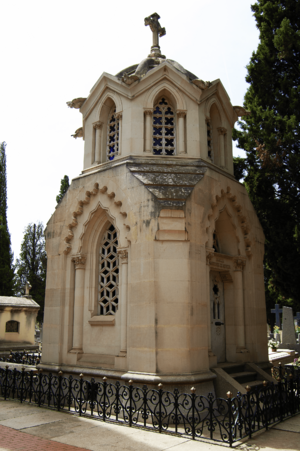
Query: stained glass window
[
  {"x": 112, "y": 136},
  {"x": 108, "y": 292},
  {"x": 163, "y": 128}
]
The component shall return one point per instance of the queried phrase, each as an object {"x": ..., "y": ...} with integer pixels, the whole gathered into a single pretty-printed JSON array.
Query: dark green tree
[
  {"x": 32, "y": 264},
  {"x": 271, "y": 138},
  {"x": 6, "y": 255},
  {"x": 64, "y": 185}
]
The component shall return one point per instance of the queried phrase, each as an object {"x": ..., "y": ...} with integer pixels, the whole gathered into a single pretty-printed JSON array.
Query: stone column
[
  {"x": 222, "y": 133},
  {"x": 79, "y": 261},
  {"x": 181, "y": 146},
  {"x": 209, "y": 256},
  {"x": 239, "y": 303},
  {"x": 98, "y": 127},
  {"x": 148, "y": 130},
  {"x": 119, "y": 119},
  {"x": 123, "y": 256}
]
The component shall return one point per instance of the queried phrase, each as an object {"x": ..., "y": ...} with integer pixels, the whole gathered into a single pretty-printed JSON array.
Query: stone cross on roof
[
  {"x": 157, "y": 31},
  {"x": 27, "y": 288}
]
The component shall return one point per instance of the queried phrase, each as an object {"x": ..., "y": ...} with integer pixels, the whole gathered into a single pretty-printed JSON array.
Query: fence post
[
  {"x": 40, "y": 387},
  {"x": 193, "y": 397},
  {"x": 80, "y": 392},
  {"x": 248, "y": 415},
  {"x": 292, "y": 395},
  {"x": 280, "y": 397},
  {"x": 49, "y": 377},
  {"x": 60, "y": 373},
  {"x": 14, "y": 382},
  {"x": 104, "y": 397},
  {"x": 130, "y": 401},
  {"x": 160, "y": 391},
  {"x": 229, "y": 403},
  {"x": 176, "y": 405},
  {"x": 6, "y": 381},
  {"x": 22, "y": 383},
  {"x": 266, "y": 406}
]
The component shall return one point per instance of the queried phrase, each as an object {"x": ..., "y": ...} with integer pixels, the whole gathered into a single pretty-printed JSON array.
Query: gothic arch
[
  {"x": 163, "y": 88},
  {"x": 109, "y": 94},
  {"x": 103, "y": 198},
  {"x": 209, "y": 103},
  {"x": 228, "y": 201}
]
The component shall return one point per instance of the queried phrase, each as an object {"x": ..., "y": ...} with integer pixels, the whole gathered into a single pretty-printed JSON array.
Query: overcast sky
[{"x": 54, "y": 51}]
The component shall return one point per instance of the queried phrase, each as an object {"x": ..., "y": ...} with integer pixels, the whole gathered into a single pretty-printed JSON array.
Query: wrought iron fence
[
  {"x": 190, "y": 415},
  {"x": 24, "y": 357}
]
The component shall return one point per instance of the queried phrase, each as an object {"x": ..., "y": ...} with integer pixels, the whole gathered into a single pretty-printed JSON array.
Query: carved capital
[
  {"x": 148, "y": 112},
  {"x": 239, "y": 264},
  {"x": 98, "y": 125},
  {"x": 181, "y": 113},
  {"x": 79, "y": 261},
  {"x": 209, "y": 255},
  {"x": 118, "y": 116},
  {"x": 123, "y": 254},
  {"x": 222, "y": 130}
]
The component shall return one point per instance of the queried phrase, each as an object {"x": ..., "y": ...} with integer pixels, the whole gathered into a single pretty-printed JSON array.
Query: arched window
[
  {"x": 163, "y": 128},
  {"x": 108, "y": 291},
  {"x": 112, "y": 135}
]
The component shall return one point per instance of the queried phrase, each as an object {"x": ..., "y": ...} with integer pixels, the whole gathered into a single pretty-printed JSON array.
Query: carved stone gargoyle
[
  {"x": 76, "y": 103},
  {"x": 78, "y": 133},
  {"x": 241, "y": 111},
  {"x": 129, "y": 79},
  {"x": 201, "y": 84}
]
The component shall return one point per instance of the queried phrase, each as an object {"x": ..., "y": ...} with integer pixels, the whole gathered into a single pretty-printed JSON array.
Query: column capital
[
  {"x": 148, "y": 112},
  {"x": 222, "y": 130},
  {"x": 181, "y": 113},
  {"x": 118, "y": 116},
  {"x": 79, "y": 261},
  {"x": 209, "y": 255},
  {"x": 123, "y": 254},
  {"x": 97, "y": 125},
  {"x": 239, "y": 264}
]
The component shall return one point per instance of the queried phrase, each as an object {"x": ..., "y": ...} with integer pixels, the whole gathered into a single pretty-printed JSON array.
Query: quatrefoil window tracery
[
  {"x": 108, "y": 292},
  {"x": 163, "y": 128},
  {"x": 112, "y": 135}
]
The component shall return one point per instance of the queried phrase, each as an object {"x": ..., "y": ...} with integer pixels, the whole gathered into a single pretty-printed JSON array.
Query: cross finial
[
  {"x": 157, "y": 31},
  {"x": 27, "y": 288}
]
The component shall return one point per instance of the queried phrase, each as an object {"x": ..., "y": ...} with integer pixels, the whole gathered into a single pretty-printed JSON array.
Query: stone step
[{"x": 244, "y": 376}]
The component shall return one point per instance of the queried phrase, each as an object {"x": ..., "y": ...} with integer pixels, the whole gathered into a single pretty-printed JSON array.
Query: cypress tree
[
  {"x": 64, "y": 185},
  {"x": 6, "y": 255},
  {"x": 271, "y": 139},
  {"x": 32, "y": 264}
]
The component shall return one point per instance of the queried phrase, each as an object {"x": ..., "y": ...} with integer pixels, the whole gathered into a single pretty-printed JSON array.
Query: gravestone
[
  {"x": 277, "y": 312},
  {"x": 288, "y": 328},
  {"x": 297, "y": 317}
]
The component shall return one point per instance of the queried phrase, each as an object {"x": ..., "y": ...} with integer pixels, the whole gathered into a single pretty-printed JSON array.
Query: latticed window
[
  {"x": 163, "y": 129},
  {"x": 112, "y": 135},
  {"x": 209, "y": 139},
  {"x": 108, "y": 294}
]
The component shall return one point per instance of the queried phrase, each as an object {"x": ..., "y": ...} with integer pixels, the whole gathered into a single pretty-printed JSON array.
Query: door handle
[{"x": 219, "y": 324}]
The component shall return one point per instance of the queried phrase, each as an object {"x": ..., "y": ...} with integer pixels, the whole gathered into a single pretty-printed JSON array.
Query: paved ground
[{"x": 26, "y": 427}]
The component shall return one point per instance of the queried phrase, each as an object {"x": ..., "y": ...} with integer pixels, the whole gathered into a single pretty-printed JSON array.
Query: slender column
[
  {"x": 222, "y": 133},
  {"x": 79, "y": 261},
  {"x": 148, "y": 130},
  {"x": 98, "y": 127},
  {"x": 119, "y": 119},
  {"x": 209, "y": 256},
  {"x": 181, "y": 116},
  {"x": 239, "y": 302},
  {"x": 123, "y": 255}
]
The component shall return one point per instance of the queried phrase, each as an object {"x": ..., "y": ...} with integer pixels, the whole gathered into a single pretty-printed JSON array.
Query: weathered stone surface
[{"x": 288, "y": 328}]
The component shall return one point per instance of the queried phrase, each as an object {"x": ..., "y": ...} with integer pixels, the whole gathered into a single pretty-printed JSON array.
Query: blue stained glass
[
  {"x": 157, "y": 110},
  {"x": 169, "y": 112},
  {"x": 157, "y": 141},
  {"x": 157, "y": 121},
  {"x": 157, "y": 131},
  {"x": 157, "y": 151}
]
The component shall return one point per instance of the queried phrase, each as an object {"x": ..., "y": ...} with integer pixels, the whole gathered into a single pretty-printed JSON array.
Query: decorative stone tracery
[{"x": 163, "y": 128}]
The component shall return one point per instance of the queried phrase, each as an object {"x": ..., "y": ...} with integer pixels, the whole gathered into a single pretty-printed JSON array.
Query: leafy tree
[
  {"x": 6, "y": 255},
  {"x": 64, "y": 185},
  {"x": 271, "y": 138},
  {"x": 32, "y": 264}
]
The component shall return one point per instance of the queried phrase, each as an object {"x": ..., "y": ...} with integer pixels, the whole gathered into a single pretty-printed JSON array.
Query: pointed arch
[{"x": 165, "y": 88}]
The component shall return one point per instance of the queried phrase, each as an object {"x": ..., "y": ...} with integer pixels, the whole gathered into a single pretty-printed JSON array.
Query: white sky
[{"x": 54, "y": 51}]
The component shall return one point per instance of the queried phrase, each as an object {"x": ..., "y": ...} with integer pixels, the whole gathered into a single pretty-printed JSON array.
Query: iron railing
[
  {"x": 24, "y": 357},
  {"x": 190, "y": 415}
]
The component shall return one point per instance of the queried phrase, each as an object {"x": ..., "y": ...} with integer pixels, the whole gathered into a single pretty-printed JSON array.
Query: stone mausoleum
[{"x": 155, "y": 253}]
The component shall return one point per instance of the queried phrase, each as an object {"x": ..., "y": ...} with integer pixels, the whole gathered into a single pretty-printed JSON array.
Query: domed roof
[{"x": 140, "y": 70}]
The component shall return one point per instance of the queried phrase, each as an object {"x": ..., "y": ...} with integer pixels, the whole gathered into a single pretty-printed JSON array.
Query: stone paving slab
[{"x": 64, "y": 432}]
